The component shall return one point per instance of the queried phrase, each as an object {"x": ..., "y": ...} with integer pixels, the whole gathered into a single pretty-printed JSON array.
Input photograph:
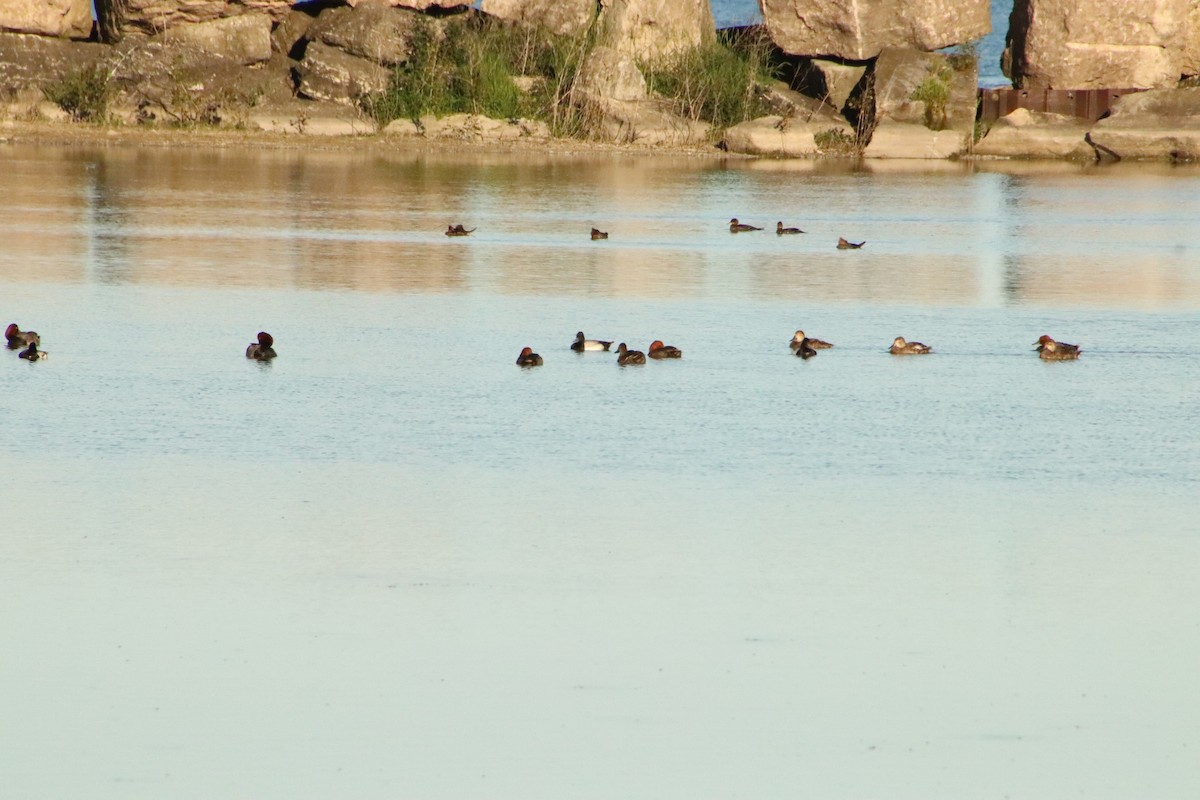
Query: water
[
  {"x": 738, "y": 13},
  {"x": 392, "y": 564}
]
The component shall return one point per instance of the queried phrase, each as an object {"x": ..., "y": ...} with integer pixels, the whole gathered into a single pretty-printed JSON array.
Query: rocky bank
[{"x": 856, "y": 78}]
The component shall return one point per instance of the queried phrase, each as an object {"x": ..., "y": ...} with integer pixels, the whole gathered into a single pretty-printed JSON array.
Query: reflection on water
[
  {"x": 391, "y": 564},
  {"x": 1054, "y": 234}
]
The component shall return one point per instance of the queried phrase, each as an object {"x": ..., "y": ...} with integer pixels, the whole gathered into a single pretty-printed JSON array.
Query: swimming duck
[
  {"x": 1050, "y": 350},
  {"x": 263, "y": 349},
  {"x": 738, "y": 227},
  {"x": 18, "y": 338},
  {"x": 780, "y": 230},
  {"x": 528, "y": 358},
  {"x": 31, "y": 353},
  {"x": 581, "y": 344},
  {"x": 598, "y": 234},
  {"x": 815, "y": 344},
  {"x": 804, "y": 348},
  {"x": 902, "y": 348},
  {"x": 844, "y": 245},
  {"x": 459, "y": 230},
  {"x": 627, "y": 356},
  {"x": 660, "y": 350}
]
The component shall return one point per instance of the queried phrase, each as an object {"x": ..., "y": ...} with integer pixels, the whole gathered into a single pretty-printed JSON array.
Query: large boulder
[
  {"x": 788, "y": 137},
  {"x": 31, "y": 62},
  {"x": 327, "y": 73},
  {"x": 563, "y": 17},
  {"x": 1036, "y": 134},
  {"x": 67, "y": 19},
  {"x": 907, "y": 140},
  {"x": 1097, "y": 44},
  {"x": 1160, "y": 124},
  {"x": 655, "y": 30},
  {"x": 373, "y": 30},
  {"x": 860, "y": 29},
  {"x": 420, "y": 5},
  {"x": 609, "y": 74},
  {"x": 933, "y": 89},
  {"x": 118, "y": 17},
  {"x": 245, "y": 39}
]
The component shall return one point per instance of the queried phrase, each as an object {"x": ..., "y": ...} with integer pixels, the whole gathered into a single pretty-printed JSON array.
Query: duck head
[
  {"x": 899, "y": 342},
  {"x": 265, "y": 339},
  {"x": 656, "y": 344},
  {"x": 1044, "y": 341},
  {"x": 526, "y": 351},
  {"x": 579, "y": 337},
  {"x": 11, "y": 331},
  {"x": 798, "y": 336},
  {"x": 621, "y": 348}
]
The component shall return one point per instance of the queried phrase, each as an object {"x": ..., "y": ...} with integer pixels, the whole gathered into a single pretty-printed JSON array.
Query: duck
[
  {"x": 804, "y": 348},
  {"x": 31, "y": 353},
  {"x": 459, "y": 230},
  {"x": 528, "y": 358},
  {"x": 599, "y": 234},
  {"x": 845, "y": 245},
  {"x": 780, "y": 230},
  {"x": 902, "y": 348},
  {"x": 263, "y": 349},
  {"x": 1050, "y": 350},
  {"x": 627, "y": 356},
  {"x": 739, "y": 227},
  {"x": 18, "y": 338},
  {"x": 582, "y": 344},
  {"x": 816, "y": 344},
  {"x": 658, "y": 350}
]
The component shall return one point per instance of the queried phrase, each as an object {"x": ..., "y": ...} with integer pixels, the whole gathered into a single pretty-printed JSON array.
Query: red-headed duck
[
  {"x": 528, "y": 358},
  {"x": 598, "y": 234},
  {"x": 902, "y": 348},
  {"x": 18, "y": 338},
  {"x": 660, "y": 350},
  {"x": 263, "y": 349},
  {"x": 31, "y": 353},
  {"x": 845, "y": 245},
  {"x": 1050, "y": 350},
  {"x": 815, "y": 344},
  {"x": 582, "y": 344},
  {"x": 740, "y": 227},
  {"x": 780, "y": 230},
  {"x": 627, "y": 356},
  {"x": 459, "y": 230}
]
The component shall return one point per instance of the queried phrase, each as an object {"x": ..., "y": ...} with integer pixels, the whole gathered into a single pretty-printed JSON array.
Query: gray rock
[
  {"x": 327, "y": 73},
  {"x": 1118, "y": 44},
  {"x": 860, "y": 29},
  {"x": 903, "y": 77},
  {"x": 373, "y": 30},
  {"x": 655, "y": 30},
  {"x": 291, "y": 30},
  {"x": 119, "y": 17},
  {"x": 564, "y": 17},
  {"x": 68, "y": 19},
  {"x": 831, "y": 81},
  {"x": 1036, "y": 134},
  {"x": 1159, "y": 124},
  {"x": 906, "y": 140},
  {"x": 419, "y": 5},
  {"x": 784, "y": 137},
  {"x": 609, "y": 74},
  {"x": 29, "y": 62},
  {"x": 245, "y": 39}
]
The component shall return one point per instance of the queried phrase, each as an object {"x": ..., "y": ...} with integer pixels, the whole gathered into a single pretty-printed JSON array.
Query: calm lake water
[{"x": 391, "y": 564}]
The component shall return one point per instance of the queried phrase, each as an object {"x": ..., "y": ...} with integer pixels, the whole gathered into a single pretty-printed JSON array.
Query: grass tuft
[{"x": 84, "y": 93}]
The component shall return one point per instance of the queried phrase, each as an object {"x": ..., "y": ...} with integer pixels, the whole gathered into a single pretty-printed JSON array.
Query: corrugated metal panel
[{"x": 1088, "y": 104}]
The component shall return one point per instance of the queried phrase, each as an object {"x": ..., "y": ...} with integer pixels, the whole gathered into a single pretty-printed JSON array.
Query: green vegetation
[
  {"x": 934, "y": 92},
  {"x": 84, "y": 93},
  {"x": 471, "y": 66},
  {"x": 837, "y": 142},
  {"x": 717, "y": 82}
]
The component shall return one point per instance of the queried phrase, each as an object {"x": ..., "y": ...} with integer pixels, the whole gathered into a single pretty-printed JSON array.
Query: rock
[
  {"x": 28, "y": 61},
  {"x": 784, "y": 137},
  {"x": 830, "y": 81},
  {"x": 245, "y": 38},
  {"x": 609, "y": 74},
  {"x": 860, "y": 29},
  {"x": 563, "y": 17},
  {"x": 372, "y": 30},
  {"x": 1036, "y": 134},
  {"x": 655, "y": 30},
  {"x": 401, "y": 127},
  {"x": 1098, "y": 44},
  {"x": 1159, "y": 124},
  {"x": 335, "y": 126},
  {"x": 474, "y": 127},
  {"x": 327, "y": 73},
  {"x": 291, "y": 31},
  {"x": 119, "y": 17},
  {"x": 916, "y": 87},
  {"x": 1190, "y": 59},
  {"x": 66, "y": 19},
  {"x": 906, "y": 140},
  {"x": 420, "y": 5},
  {"x": 650, "y": 123}
]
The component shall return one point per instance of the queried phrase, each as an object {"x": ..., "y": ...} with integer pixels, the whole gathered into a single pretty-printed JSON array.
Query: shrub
[
  {"x": 84, "y": 93},
  {"x": 934, "y": 92},
  {"x": 836, "y": 141}
]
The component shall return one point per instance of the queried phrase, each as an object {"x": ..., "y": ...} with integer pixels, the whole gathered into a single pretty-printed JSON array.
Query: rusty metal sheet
[{"x": 1087, "y": 104}]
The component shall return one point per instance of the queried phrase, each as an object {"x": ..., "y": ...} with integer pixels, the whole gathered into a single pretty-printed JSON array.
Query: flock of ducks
[
  {"x": 263, "y": 348},
  {"x": 802, "y": 345},
  {"x": 734, "y": 227}
]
